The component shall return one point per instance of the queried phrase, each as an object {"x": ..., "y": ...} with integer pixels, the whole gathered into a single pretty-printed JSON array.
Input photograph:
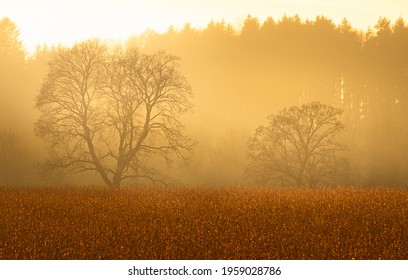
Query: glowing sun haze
[{"x": 67, "y": 21}]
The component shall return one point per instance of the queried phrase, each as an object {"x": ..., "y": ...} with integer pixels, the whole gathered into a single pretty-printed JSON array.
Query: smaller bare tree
[{"x": 298, "y": 147}]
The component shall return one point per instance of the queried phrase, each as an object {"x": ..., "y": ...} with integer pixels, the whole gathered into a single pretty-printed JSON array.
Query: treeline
[
  {"x": 240, "y": 76},
  {"x": 21, "y": 76},
  {"x": 243, "y": 75}
]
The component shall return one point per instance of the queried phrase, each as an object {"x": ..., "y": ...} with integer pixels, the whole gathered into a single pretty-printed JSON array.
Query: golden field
[{"x": 204, "y": 223}]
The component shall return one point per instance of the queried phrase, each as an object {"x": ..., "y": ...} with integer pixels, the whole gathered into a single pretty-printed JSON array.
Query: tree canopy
[
  {"x": 298, "y": 147},
  {"x": 10, "y": 43}
]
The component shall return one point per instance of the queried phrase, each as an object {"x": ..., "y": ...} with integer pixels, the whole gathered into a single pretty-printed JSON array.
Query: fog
[{"x": 238, "y": 78}]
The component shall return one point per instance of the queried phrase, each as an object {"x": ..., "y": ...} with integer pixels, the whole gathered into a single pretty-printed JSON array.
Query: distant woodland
[{"x": 238, "y": 78}]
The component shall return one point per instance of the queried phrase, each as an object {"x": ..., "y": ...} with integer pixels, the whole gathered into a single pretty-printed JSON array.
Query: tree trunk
[{"x": 116, "y": 181}]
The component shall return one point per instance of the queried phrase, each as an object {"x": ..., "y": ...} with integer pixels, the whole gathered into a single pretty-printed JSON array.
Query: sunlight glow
[{"x": 64, "y": 22}]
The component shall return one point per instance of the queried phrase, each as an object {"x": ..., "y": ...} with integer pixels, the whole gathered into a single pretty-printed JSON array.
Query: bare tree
[
  {"x": 298, "y": 147},
  {"x": 111, "y": 112}
]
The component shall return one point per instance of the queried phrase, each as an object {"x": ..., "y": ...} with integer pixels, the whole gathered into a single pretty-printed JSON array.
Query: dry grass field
[{"x": 204, "y": 223}]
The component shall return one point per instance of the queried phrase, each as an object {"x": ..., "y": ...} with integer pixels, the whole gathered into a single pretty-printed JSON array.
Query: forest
[{"x": 238, "y": 77}]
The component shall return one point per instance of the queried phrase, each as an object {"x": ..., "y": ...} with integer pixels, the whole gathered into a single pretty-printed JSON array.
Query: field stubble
[{"x": 204, "y": 223}]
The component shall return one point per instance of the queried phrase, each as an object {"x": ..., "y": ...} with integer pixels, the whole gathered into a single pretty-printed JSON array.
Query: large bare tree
[
  {"x": 298, "y": 147},
  {"x": 110, "y": 112}
]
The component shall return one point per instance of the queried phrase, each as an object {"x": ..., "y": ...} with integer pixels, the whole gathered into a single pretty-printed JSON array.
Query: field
[{"x": 204, "y": 223}]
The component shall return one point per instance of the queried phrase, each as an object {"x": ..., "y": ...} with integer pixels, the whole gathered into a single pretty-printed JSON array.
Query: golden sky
[{"x": 67, "y": 21}]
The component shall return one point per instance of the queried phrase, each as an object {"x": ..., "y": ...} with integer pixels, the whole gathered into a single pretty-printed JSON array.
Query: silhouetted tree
[
  {"x": 13, "y": 93},
  {"x": 10, "y": 44},
  {"x": 297, "y": 147},
  {"x": 110, "y": 113},
  {"x": 250, "y": 28}
]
